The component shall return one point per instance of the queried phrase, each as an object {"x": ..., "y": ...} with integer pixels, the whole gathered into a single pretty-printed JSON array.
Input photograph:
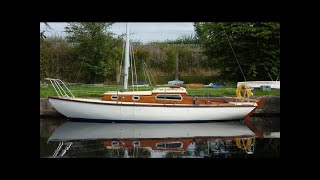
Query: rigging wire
[
  {"x": 135, "y": 68},
  {"x": 122, "y": 57},
  {"x": 234, "y": 53},
  {"x": 278, "y": 77},
  {"x": 144, "y": 73},
  {"x": 149, "y": 74},
  {"x": 131, "y": 68}
]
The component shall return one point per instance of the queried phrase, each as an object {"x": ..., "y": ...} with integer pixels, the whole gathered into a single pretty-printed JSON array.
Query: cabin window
[
  {"x": 135, "y": 98},
  {"x": 169, "y": 145},
  {"x": 175, "y": 97},
  {"x": 136, "y": 143},
  {"x": 114, "y": 97},
  {"x": 115, "y": 144}
]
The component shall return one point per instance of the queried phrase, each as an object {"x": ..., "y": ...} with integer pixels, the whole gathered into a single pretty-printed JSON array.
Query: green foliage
[
  {"x": 91, "y": 54},
  {"x": 256, "y": 45},
  {"x": 96, "y": 49},
  {"x": 193, "y": 40},
  {"x": 42, "y": 36},
  {"x": 162, "y": 58},
  {"x": 57, "y": 59},
  {"x": 170, "y": 60}
]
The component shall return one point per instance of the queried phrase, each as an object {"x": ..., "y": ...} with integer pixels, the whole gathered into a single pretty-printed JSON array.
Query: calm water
[{"x": 192, "y": 140}]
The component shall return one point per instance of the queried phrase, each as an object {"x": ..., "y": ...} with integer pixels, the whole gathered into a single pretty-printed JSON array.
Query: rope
[{"x": 234, "y": 53}]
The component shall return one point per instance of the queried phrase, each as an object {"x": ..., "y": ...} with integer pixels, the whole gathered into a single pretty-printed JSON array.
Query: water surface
[{"x": 181, "y": 140}]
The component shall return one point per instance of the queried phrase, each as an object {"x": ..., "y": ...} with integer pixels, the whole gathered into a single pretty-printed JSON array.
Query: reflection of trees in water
[
  {"x": 96, "y": 149},
  {"x": 219, "y": 149},
  {"x": 128, "y": 153},
  {"x": 212, "y": 149},
  {"x": 138, "y": 152},
  {"x": 86, "y": 149},
  {"x": 48, "y": 126},
  {"x": 46, "y": 150},
  {"x": 263, "y": 147},
  {"x": 266, "y": 124},
  {"x": 175, "y": 154},
  {"x": 268, "y": 147}
]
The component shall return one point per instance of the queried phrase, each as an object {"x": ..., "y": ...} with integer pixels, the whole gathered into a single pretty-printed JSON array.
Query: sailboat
[{"x": 161, "y": 105}]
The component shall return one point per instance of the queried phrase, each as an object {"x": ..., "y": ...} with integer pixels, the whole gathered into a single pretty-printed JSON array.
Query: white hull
[
  {"x": 99, "y": 110},
  {"x": 258, "y": 84}
]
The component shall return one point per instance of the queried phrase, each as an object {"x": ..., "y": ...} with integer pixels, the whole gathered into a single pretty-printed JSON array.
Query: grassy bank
[{"x": 83, "y": 91}]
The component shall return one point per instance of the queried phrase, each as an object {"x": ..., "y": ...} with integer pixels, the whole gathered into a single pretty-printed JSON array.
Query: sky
[{"x": 144, "y": 32}]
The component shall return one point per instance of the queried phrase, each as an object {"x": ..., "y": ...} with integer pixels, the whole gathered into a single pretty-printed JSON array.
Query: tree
[
  {"x": 256, "y": 46},
  {"x": 42, "y": 36},
  {"x": 95, "y": 49},
  {"x": 184, "y": 39},
  {"x": 57, "y": 59}
]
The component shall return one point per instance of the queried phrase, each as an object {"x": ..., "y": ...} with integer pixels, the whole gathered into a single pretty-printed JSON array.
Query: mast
[{"x": 126, "y": 62}]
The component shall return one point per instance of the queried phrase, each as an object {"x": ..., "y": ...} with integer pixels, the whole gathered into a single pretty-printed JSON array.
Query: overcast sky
[{"x": 145, "y": 32}]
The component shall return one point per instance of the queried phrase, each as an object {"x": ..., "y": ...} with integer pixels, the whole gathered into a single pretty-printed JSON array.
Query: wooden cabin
[{"x": 166, "y": 95}]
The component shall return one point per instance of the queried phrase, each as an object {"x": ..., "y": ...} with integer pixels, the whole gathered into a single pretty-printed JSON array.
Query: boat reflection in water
[{"x": 218, "y": 139}]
